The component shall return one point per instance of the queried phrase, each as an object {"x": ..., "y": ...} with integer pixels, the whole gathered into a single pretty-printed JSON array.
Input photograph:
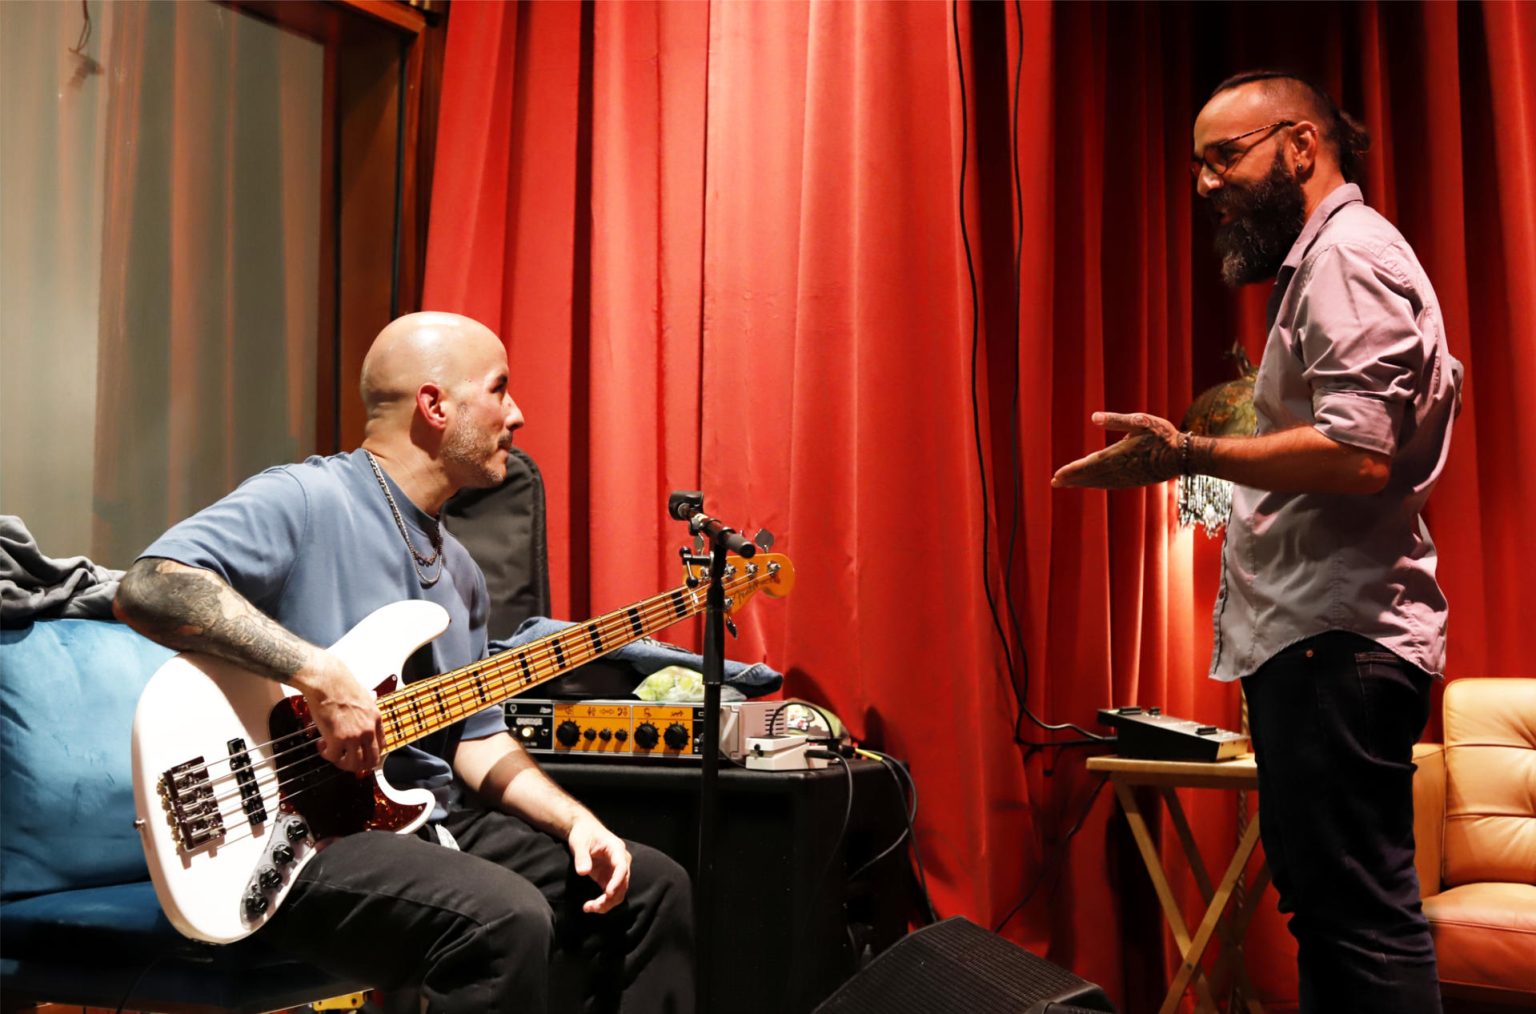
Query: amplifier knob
[
  {"x": 676, "y": 736},
  {"x": 646, "y": 737},
  {"x": 621, "y": 735},
  {"x": 568, "y": 733},
  {"x": 605, "y": 735},
  {"x": 589, "y": 734}
]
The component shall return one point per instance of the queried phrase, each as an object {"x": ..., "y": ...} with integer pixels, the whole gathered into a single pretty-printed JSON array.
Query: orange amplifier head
[
  {"x": 607, "y": 728},
  {"x": 637, "y": 729}
]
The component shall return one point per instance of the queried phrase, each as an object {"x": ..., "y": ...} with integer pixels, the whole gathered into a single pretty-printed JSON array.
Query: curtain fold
[
  {"x": 732, "y": 247},
  {"x": 209, "y": 253}
]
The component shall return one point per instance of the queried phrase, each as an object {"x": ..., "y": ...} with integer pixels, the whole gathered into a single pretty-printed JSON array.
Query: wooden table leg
[
  {"x": 1191, "y": 966},
  {"x": 1165, "y": 896},
  {"x": 1231, "y": 947},
  {"x": 1260, "y": 882}
]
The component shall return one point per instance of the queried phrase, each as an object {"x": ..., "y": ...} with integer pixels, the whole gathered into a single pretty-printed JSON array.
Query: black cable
[
  {"x": 1048, "y": 869},
  {"x": 847, "y": 811},
  {"x": 1015, "y": 438},
  {"x": 917, "y": 854},
  {"x": 816, "y": 885},
  {"x": 1019, "y": 696},
  {"x": 899, "y": 772},
  {"x": 908, "y": 812},
  {"x": 832, "y": 738},
  {"x": 970, "y": 268}
]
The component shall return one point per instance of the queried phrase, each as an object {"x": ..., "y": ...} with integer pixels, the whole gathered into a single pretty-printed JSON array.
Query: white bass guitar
[{"x": 232, "y": 797}]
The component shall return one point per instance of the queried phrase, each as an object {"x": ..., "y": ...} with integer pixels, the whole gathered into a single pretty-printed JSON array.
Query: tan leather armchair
[{"x": 1474, "y": 803}]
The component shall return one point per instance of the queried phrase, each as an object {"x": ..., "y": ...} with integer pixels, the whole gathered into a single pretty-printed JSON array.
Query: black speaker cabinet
[
  {"x": 788, "y": 927},
  {"x": 956, "y": 967}
]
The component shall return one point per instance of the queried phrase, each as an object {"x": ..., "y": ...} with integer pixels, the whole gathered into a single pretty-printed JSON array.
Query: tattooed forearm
[{"x": 193, "y": 610}]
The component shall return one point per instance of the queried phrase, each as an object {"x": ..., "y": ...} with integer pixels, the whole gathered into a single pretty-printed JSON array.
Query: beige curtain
[
  {"x": 52, "y": 127},
  {"x": 175, "y": 316}
]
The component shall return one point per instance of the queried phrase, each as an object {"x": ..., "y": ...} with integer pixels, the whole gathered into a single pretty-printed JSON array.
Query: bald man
[
  {"x": 1329, "y": 611},
  {"x": 511, "y": 868}
]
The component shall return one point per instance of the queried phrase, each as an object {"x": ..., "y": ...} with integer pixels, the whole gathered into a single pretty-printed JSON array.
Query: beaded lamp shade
[{"x": 1225, "y": 410}]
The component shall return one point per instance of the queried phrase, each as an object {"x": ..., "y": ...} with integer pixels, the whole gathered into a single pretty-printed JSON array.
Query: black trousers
[
  {"x": 497, "y": 926},
  {"x": 1334, "y": 719}
]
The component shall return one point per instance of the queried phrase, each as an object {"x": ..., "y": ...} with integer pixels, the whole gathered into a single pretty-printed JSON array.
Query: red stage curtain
[{"x": 723, "y": 245}]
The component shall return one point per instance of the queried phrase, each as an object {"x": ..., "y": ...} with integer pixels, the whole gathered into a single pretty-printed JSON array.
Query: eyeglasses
[{"x": 1221, "y": 156}]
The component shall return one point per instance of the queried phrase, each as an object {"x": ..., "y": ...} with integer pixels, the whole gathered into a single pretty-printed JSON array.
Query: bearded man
[
  {"x": 1329, "y": 610},
  {"x": 510, "y": 871}
]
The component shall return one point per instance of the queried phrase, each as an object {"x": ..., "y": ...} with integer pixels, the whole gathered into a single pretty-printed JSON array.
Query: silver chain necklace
[{"x": 418, "y": 561}]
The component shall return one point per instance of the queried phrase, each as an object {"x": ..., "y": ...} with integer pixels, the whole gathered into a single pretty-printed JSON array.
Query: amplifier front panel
[{"x": 607, "y": 728}]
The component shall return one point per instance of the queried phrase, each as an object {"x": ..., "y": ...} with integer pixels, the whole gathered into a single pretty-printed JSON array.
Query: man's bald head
[
  {"x": 1266, "y": 96},
  {"x": 444, "y": 349},
  {"x": 440, "y": 415}
]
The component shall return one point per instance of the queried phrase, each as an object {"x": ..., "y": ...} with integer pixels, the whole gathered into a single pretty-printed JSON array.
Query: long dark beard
[{"x": 1266, "y": 218}]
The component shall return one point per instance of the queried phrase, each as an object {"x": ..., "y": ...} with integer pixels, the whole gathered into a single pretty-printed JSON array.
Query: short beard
[
  {"x": 1266, "y": 218},
  {"x": 461, "y": 452}
]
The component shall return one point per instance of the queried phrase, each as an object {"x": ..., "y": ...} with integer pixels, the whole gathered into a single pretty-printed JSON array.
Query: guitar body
[{"x": 226, "y": 776}]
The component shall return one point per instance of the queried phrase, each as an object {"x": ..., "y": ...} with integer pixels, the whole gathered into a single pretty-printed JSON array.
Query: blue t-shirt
[{"x": 315, "y": 546}]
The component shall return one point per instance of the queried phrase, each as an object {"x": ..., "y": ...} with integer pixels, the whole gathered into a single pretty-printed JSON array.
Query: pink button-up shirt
[{"x": 1356, "y": 349}]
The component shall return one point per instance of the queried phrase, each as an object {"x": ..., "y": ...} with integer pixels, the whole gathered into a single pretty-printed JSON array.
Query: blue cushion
[
  {"x": 122, "y": 922},
  {"x": 67, "y": 694},
  {"x": 103, "y": 945}
]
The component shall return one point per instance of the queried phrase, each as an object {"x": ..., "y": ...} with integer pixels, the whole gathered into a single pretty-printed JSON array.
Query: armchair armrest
[{"x": 1428, "y": 814}]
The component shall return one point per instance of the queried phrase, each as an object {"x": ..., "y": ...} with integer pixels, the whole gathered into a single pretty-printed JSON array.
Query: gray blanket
[{"x": 36, "y": 587}]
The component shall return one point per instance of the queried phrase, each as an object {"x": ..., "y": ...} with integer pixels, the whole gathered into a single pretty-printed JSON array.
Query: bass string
[{"x": 653, "y": 610}]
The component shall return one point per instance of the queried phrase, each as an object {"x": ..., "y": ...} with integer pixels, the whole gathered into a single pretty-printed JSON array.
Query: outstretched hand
[
  {"x": 1147, "y": 454},
  {"x": 601, "y": 855}
]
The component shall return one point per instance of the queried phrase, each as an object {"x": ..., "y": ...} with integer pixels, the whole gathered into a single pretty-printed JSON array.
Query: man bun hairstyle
[{"x": 1342, "y": 133}]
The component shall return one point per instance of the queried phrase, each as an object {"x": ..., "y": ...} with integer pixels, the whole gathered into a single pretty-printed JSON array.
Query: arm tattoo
[
  {"x": 1141, "y": 459},
  {"x": 190, "y": 609}
]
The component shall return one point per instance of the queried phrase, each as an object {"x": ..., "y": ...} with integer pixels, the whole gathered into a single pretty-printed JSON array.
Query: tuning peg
[
  {"x": 730, "y": 625},
  {"x": 763, "y": 538}
]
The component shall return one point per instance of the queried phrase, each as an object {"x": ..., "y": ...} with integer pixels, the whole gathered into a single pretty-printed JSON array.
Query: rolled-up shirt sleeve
[{"x": 1361, "y": 346}]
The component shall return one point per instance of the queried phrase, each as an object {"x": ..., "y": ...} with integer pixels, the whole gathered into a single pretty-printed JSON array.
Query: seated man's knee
[
  {"x": 505, "y": 911},
  {"x": 659, "y": 878}
]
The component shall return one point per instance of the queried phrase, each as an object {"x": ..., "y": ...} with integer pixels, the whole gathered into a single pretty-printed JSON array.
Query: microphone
[{"x": 688, "y": 505}]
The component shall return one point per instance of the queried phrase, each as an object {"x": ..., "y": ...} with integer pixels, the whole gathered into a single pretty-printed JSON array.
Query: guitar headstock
[{"x": 770, "y": 573}]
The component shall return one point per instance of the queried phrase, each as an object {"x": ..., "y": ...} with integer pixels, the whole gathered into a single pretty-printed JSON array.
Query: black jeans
[
  {"x": 481, "y": 929},
  {"x": 1334, "y": 719}
]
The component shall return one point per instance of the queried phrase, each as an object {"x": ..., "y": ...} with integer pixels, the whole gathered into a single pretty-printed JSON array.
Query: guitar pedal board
[
  {"x": 637, "y": 730},
  {"x": 1148, "y": 734}
]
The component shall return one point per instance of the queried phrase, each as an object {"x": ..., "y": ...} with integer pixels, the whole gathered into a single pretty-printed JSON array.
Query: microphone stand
[{"x": 688, "y": 506}]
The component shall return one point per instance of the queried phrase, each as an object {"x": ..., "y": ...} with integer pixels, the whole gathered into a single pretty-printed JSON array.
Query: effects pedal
[{"x": 1148, "y": 734}]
